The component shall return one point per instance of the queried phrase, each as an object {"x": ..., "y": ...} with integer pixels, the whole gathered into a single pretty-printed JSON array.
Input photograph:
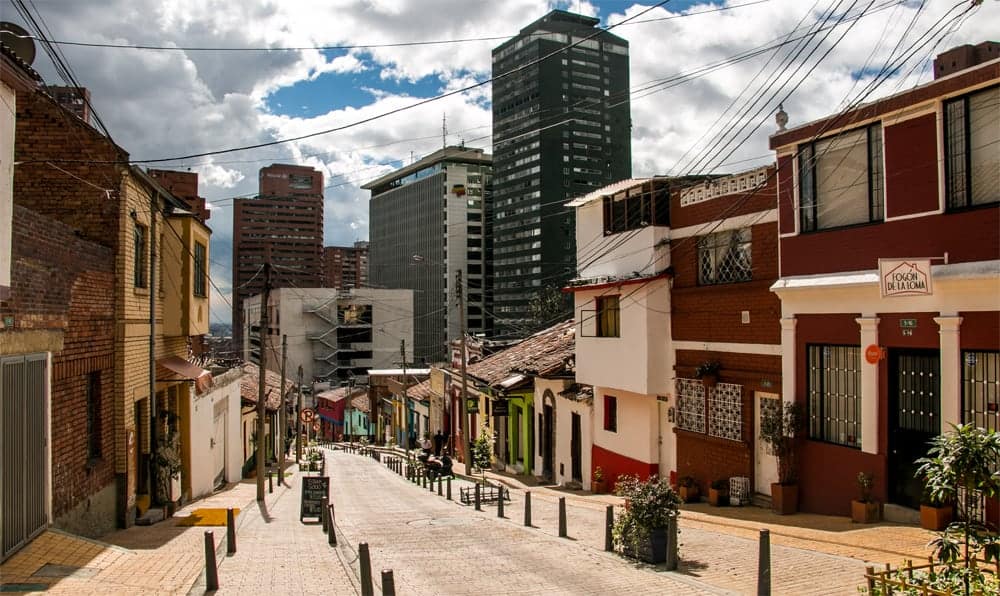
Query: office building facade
[
  {"x": 561, "y": 129},
  {"x": 427, "y": 221},
  {"x": 346, "y": 266}
]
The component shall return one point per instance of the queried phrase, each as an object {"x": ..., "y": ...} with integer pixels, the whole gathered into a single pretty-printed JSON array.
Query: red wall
[
  {"x": 786, "y": 195},
  {"x": 911, "y": 172},
  {"x": 614, "y": 465}
]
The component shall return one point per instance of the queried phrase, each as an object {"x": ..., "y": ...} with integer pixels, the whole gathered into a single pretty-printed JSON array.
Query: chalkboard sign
[
  {"x": 500, "y": 408},
  {"x": 314, "y": 488}
]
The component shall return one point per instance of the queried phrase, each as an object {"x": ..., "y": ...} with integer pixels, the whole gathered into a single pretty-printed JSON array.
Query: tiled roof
[
  {"x": 578, "y": 392},
  {"x": 339, "y": 393},
  {"x": 544, "y": 353},
  {"x": 421, "y": 390},
  {"x": 272, "y": 381}
]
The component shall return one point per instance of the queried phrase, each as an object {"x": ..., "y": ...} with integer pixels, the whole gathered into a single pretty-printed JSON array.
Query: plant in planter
[
  {"x": 708, "y": 372},
  {"x": 935, "y": 515},
  {"x": 597, "y": 483},
  {"x": 780, "y": 428},
  {"x": 482, "y": 450},
  {"x": 718, "y": 492},
  {"x": 866, "y": 509},
  {"x": 688, "y": 489},
  {"x": 641, "y": 530}
]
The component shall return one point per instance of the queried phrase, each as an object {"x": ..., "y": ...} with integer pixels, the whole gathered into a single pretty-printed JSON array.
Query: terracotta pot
[
  {"x": 784, "y": 498},
  {"x": 718, "y": 497},
  {"x": 863, "y": 512},
  {"x": 935, "y": 518},
  {"x": 689, "y": 494},
  {"x": 598, "y": 487}
]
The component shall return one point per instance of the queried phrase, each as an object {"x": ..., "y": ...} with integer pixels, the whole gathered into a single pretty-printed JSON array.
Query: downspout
[{"x": 153, "y": 210}]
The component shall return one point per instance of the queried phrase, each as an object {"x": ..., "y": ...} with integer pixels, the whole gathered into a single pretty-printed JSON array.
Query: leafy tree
[{"x": 548, "y": 306}]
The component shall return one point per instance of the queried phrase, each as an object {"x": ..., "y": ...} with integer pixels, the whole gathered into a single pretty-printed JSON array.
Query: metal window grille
[
  {"x": 981, "y": 389},
  {"x": 200, "y": 271},
  {"x": 725, "y": 411},
  {"x": 724, "y": 257},
  {"x": 834, "y": 389},
  {"x": 691, "y": 405},
  {"x": 139, "y": 257}
]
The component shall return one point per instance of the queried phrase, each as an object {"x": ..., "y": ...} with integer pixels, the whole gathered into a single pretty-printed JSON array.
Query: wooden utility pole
[
  {"x": 261, "y": 374},
  {"x": 465, "y": 427},
  {"x": 282, "y": 414},
  {"x": 298, "y": 422},
  {"x": 406, "y": 409}
]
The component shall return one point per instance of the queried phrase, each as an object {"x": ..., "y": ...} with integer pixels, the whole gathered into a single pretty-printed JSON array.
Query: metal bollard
[
  {"x": 478, "y": 506},
  {"x": 500, "y": 504},
  {"x": 388, "y": 584},
  {"x": 211, "y": 571},
  {"x": 325, "y": 503},
  {"x": 365, "y": 565},
  {"x": 439, "y": 486},
  {"x": 609, "y": 522},
  {"x": 230, "y": 532},
  {"x": 270, "y": 481},
  {"x": 527, "y": 508},
  {"x": 332, "y": 535},
  {"x": 562, "y": 517},
  {"x": 423, "y": 478},
  {"x": 430, "y": 484},
  {"x": 764, "y": 564},
  {"x": 672, "y": 543},
  {"x": 449, "y": 488}
]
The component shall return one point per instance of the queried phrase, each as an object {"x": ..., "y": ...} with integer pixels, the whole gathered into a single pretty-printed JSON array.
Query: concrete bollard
[
  {"x": 230, "y": 532},
  {"x": 478, "y": 505},
  {"x": 388, "y": 583},
  {"x": 423, "y": 478},
  {"x": 527, "y": 508},
  {"x": 764, "y": 564},
  {"x": 439, "y": 486},
  {"x": 332, "y": 535},
  {"x": 270, "y": 481},
  {"x": 430, "y": 484},
  {"x": 211, "y": 571},
  {"x": 609, "y": 523},
  {"x": 562, "y": 517},
  {"x": 325, "y": 503},
  {"x": 365, "y": 566},
  {"x": 672, "y": 547},
  {"x": 449, "y": 488},
  {"x": 500, "y": 504}
]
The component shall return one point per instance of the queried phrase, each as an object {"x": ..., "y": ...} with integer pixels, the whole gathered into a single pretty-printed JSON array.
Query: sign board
[
  {"x": 898, "y": 277},
  {"x": 472, "y": 404},
  {"x": 314, "y": 488},
  {"x": 500, "y": 407},
  {"x": 307, "y": 415},
  {"x": 873, "y": 354}
]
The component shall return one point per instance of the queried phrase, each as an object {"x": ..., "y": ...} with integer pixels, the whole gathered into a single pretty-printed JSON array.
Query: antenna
[{"x": 19, "y": 40}]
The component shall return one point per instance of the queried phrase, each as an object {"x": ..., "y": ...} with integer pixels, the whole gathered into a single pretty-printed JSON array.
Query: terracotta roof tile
[
  {"x": 544, "y": 353},
  {"x": 272, "y": 381}
]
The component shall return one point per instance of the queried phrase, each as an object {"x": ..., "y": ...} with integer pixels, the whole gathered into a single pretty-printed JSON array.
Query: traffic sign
[{"x": 307, "y": 415}]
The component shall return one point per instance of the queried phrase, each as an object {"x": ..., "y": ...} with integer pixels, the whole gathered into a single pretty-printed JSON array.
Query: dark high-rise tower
[
  {"x": 285, "y": 220},
  {"x": 561, "y": 128}
]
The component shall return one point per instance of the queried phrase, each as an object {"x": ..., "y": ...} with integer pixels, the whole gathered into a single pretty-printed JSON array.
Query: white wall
[
  {"x": 638, "y": 254},
  {"x": 638, "y": 426},
  {"x": 224, "y": 395},
  {"x": 564, "y": 410},
  {"x": 8, "y": 98}
]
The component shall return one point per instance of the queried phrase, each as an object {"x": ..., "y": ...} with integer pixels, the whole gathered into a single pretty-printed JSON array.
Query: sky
[{"x": 229, "y": 87}]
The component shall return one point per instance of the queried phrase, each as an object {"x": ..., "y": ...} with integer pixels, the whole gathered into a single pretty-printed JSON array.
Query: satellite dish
[{"x": 19, "y": 40}]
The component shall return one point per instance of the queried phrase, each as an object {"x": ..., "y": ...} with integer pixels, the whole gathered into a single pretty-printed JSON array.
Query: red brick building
[
  {"x": 889, "y": 222},
  {"x": 284, "y": 221},
  {"x": 724, "y": 253},
  {"x": 183, "y": 185},
  {"x": 346, "y": 266}
]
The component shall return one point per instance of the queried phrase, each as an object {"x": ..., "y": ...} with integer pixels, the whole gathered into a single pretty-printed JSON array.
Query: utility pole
[
  {"x": 153, "y": 419},
  {"x": 347, "y": 408},
  {"x": 261, "y": 374},
  {"x": 282, "y": 414},
  {"x": 406, "y": 413},
  {"x": 467, "y": 438},
  {"x": 298, "y": 422}
]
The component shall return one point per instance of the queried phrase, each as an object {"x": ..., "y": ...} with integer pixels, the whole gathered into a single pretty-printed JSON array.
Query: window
[
  {"x": 972, "y": 149},
  {"x": 93, "y": 395},
  {"x": 637, "y": 208},
  {"x": 611, "y": 413},
  {"x": 139, "y": 258},
  {"x": 833, "y": 382},
  {"x": 981, "y": 389},
  {"x": 724, "y": 257},
  {"x": 200, "y": 275},
  {"x": 840, "y": 180},
  {"x": 607, "y": 316}
]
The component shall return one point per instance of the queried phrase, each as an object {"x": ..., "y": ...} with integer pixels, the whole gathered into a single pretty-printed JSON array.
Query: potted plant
[
  {"x": 934, "y": 515},
  {"x": 780, "y": 428},
  {"x": 597, "y": 484},
  {"x": 688, "y": 489},
  {"x": 708, "y": 372},
  {"x": 866, "y": 510},
  {"x": 641, "y": 530},
  {"x": 718, "y": 492}
]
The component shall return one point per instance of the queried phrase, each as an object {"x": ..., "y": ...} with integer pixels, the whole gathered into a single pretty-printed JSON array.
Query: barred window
[
  {"x": 841, "y": 180},
  {"x": 981, "y": 389},
  {"x": 972, "y": 149},
  {"x": 724, "y": 257},
  {"x": 834, "y": 390},
  {"x": 139, "y": 256},
  {"x": 691, "y": 405},
  {"x": 725, "y": 411},
  {"x": 200, "y": 270}
]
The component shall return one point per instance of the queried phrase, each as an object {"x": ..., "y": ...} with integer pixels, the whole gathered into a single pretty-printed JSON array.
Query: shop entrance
[{"x": 914, "y": 419}]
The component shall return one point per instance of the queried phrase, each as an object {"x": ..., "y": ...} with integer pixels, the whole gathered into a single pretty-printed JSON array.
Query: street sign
[
  {"x": 873, "y": 354},
  {"x": 500, "y": 407},
  {"x": 314, "y": 488},
  {"x": 307, "y": 415}
]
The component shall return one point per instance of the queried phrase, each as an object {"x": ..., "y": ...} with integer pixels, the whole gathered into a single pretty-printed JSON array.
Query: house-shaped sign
[{"x": 904, "y": 277}]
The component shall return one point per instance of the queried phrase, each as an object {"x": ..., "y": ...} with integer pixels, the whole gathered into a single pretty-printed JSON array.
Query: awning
[{"x": 174, "y": 368}]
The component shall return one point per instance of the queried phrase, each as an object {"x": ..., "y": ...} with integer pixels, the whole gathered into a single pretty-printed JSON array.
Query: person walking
[{"x": 438, "y": 442}]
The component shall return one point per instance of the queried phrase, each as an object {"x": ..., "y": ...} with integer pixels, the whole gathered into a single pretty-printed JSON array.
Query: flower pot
[
  {"x": 866, "y": 512},
  {"x": 718, "y": 497},
  {"x": 934, "y": 517},
  {"x": 689, "y": 494},
  {"x": 653, "y": 549},
  {"x": 784, "y": 498},
  {"x": 598, "y": 487}
]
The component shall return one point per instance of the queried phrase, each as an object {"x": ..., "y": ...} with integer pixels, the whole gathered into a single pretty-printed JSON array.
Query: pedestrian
[
  {"x": 438, "y": 442},
  {"x": 425, "y": 444}
]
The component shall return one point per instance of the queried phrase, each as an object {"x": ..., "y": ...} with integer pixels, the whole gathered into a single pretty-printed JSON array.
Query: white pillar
[
  {"x": 951, "y": 370},
  {"x": 869, "y": 387},
  {"x": 788, "y": 358}
]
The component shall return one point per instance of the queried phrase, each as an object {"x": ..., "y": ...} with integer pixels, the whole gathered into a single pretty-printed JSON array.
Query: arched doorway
[{"x": 547, "y": 420}]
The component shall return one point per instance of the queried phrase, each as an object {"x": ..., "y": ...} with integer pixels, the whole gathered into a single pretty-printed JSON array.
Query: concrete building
[
  {"x": 210, "y": 422},
  {"x": 284, "y": 223},
  {"x": 561, "y": 129},
  {"x": 334, "y": 335},
  {"x": 429, "y": 221},
  {"x": 889, "y": 223},
  {"x": 346, "y": 266}
]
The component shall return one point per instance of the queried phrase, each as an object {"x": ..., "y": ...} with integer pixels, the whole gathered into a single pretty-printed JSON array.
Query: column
[
  {"x": 788, "y": 358},
  {"x": 951, "y": 370},
  {"x": 869, "y": 387}
]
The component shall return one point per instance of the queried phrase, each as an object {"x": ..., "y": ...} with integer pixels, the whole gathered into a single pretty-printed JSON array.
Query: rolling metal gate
[{"x": 23, "y": 441}]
